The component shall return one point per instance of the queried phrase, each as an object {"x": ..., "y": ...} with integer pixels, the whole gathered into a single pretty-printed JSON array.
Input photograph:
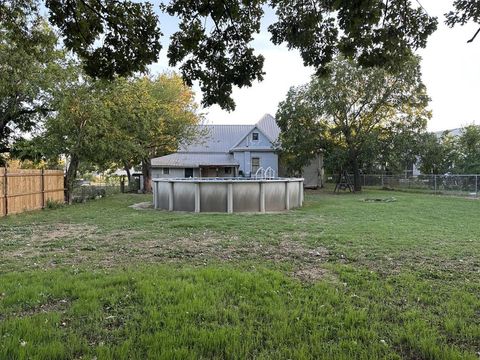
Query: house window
[
  {"x": 228, "y": 170},
  {"x": 255, "y": 136},
  {"x": 166, "y": 171},
  {"x": 189, "y": 173},
  {"x": 255, "y": 164}
]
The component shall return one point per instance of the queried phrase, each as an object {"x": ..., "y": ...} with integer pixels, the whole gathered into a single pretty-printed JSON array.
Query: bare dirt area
[{"x": 73, "y": 245}]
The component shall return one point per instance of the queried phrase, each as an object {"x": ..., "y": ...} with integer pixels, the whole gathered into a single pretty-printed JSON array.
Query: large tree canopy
[
  {"x": 31, "y": 70},
  {"x": 214, "y": 42},
  {"x": 150, "y": 117},
  {"x": 358, "y": 109},
  {"x": 115, "y": 124}
]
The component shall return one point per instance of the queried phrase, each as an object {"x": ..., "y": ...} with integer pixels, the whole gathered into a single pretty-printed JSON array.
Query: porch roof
[{"x": 195, "y": 160}]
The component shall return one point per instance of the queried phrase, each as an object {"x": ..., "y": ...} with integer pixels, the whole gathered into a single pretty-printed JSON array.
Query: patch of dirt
[
  {"x": 210, "y": 246},
  {"x": 310, "y": 273},
  {"x": 58, "y": 305},
  {"x": 148, "y": 205},
  {"x": 47, "y": 246}
]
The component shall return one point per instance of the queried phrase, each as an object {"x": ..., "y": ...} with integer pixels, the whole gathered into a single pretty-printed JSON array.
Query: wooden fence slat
[
  {"x": 3, "y": 199},
  {"x": 24, "y": 190}
]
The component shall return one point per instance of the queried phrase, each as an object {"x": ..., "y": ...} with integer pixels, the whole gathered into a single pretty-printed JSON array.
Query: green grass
[{"x": 338, "y": 279}]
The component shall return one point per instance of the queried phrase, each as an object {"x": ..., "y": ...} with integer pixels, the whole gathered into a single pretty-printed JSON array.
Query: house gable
[{"x": 255, "y": 139}]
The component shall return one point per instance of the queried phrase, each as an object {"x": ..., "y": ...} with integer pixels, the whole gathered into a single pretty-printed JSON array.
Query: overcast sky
[{"x": 450, "y": 66}]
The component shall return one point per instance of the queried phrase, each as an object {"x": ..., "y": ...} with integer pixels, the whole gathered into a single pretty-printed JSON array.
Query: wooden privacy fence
[{"x": 23, "y": 190}]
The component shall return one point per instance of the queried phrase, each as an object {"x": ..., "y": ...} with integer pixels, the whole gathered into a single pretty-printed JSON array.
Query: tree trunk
[
  {"x": 357, "y": 184},
  {"x": 147, "y": 176},
  {"x": 71, "y": 175},
  {"x": 127, "y": 170}
]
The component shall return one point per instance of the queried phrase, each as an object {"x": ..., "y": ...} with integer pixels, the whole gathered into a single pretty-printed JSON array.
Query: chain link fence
[{"x": 453, "y": 184}]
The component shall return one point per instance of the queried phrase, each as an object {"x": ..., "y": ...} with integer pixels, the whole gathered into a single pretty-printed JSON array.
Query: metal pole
[
  {"x": 476, "y": 185},
  {"x": 435, "y": 181}
]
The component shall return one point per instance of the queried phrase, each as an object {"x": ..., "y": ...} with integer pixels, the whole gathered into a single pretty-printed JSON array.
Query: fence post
[
  {"x": 435, "y": 182},
  {"x": 43, "y": 188},
  {"x": 5, "y": 190},
  {"x": 382, "y": 182},
  {"x": 476, "y": 185}
]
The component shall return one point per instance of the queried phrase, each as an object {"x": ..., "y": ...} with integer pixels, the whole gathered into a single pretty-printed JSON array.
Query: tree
[
  {"x": 150, "y": 117},
  {"x": 438, "y": 155},
  {"x": 213, "y": 43},
  {"x": 468, "y": 149},
  {"x": 80, "y": 130},
  {"x": 360, "y": 106},
  {"x": 398, "y": 148},
  {"x": 301, "y": 137},
  {"x": 31, "y": 69},
  {"x": 126, "y": 122},
  {"x": 465, "y": 11}
]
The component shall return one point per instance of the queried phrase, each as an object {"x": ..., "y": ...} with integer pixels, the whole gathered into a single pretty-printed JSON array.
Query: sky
[{"x": 450, "y": 70}]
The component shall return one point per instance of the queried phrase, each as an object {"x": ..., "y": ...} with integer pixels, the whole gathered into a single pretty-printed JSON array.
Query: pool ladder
[{"x": 267, "y": 173}]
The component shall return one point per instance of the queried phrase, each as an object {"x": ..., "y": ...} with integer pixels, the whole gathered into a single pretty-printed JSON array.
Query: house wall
[
  {"x": 174, "y": 173},
  {"x": 267, "y": 159},
  {"x": 245, "y": 151},
  {"x": 240, "y": 157}
]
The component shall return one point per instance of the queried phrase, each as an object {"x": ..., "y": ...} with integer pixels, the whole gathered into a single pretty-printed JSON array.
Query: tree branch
[{"x": 474, "y": 36}]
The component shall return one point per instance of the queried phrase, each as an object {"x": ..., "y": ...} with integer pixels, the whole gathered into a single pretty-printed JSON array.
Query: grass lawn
[{"x": 340, "y": 278}]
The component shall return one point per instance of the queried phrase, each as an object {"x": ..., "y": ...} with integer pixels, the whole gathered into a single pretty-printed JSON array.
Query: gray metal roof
[
  {"x": 214, "y": 143},
  {"x": 194, "y": 160},
  {"x": 216, "y": 138},
  {"x": 221, "y": 138},
  {"x": 269, "y": 127}
]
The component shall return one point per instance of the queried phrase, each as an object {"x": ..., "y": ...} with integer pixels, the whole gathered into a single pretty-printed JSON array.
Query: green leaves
[
  {"x": 32, "y": 67},
  {"x": 213, "y": 46},
  {"x": 214, "y": 42},
  {"x": 357, "y": 114},
  {"x": 111, "y": 37},
  {"x": 448, "y": 153},
  {"x": 465, "y": 11}
]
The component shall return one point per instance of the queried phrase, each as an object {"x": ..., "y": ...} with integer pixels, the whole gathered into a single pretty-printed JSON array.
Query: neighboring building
[{"x": 229, "y": 151}]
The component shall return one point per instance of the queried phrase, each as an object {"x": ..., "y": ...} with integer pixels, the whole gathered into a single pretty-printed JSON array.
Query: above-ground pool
[{"x": 227, "y": 194}]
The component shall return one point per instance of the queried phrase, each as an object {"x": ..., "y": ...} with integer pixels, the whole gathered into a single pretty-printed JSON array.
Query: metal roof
[
  {"x": 269, "y": 127},
  {"x": 216, "y": 138},
  {"x": 195, "y": 160},
  {"x": 221, "y": 138},
  {"x": 214, "y": 143}
]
